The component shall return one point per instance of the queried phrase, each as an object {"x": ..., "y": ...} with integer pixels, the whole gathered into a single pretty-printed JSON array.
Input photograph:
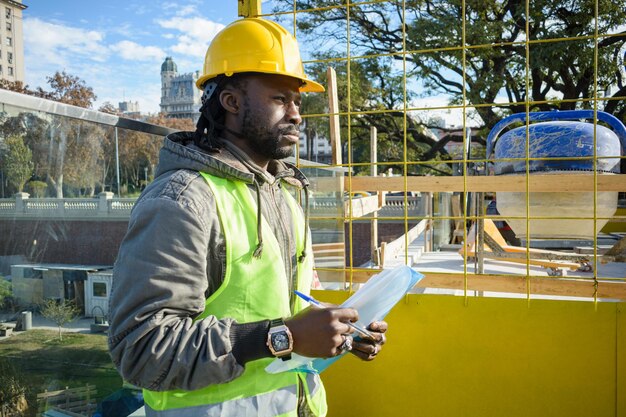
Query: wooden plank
[
  {"x": 361, "y": 206},
  {"x": 381, "y": 201},
  {"x": 537, "y": 183},
  {"x": 398, "y": 244},
  {"x": 333, "y": 109},
  {"x": 539, "y": 285}
]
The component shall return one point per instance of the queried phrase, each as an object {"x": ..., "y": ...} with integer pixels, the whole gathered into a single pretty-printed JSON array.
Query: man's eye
[{"x": 281, "y": 99}]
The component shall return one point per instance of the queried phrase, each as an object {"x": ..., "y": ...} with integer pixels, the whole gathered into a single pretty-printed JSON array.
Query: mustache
[{"x": 289, "y": 130}]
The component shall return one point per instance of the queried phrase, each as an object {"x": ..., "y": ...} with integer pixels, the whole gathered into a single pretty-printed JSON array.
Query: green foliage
[
  {"x": 60, "y": 312},
  {"x": 7, "y": 302},
  {"x": 37, "y": 188},
  {"x": 17, "y": 159},
  {"x": 5, "y": 291}
]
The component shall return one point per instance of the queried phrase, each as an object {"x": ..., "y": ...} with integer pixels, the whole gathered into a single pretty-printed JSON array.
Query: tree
[
  {"x": 173, "y": 123},
  {"x": 491, "y": 72},
  {"x": 60, "y": 131},
  {"x": 17, "y": 160},
  {"x": 60, "y": 312},
  {"x": 70, "y": 89},
  {"x": 109, "y": 108}
]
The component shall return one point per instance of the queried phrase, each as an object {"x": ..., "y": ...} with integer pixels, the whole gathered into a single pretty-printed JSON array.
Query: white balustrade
[{"x": 103, "y": 207}]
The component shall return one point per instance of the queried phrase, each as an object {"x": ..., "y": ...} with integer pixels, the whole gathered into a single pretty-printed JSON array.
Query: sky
[{"x": 117, "y": 46}]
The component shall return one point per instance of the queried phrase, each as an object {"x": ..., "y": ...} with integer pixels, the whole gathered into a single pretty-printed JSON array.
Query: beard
[{"x": 264, "y": 139}]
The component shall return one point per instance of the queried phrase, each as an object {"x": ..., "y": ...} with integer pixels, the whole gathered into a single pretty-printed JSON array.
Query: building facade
[
  {"x": 129, "y": 108},
  {"x": 179, "y": 96},
  {"x": 11, "y": 40}
]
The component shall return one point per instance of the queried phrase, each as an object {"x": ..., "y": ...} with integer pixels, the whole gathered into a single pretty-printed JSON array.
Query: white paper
[{"x": 373, "y": 302}]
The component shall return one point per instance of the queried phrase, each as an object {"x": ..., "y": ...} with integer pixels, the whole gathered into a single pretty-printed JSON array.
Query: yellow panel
[
  {"x": 491, "y": 357},
  {"x": 620, "y": 388}
]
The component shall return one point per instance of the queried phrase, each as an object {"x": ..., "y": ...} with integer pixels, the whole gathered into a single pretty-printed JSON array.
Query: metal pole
[{"x": 117, "y": 163}]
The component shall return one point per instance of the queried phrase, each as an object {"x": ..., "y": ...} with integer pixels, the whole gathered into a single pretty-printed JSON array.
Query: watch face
[{"x": 280, "y": 341}]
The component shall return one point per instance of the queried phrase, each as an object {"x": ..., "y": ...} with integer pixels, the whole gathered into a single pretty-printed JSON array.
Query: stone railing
[
  {"x": 105, "y": 207},
  {"x": 394, "y": 207}
]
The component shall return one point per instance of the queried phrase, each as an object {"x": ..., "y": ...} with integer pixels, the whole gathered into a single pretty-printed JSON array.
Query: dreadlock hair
[{"x": 212, "y": 115}]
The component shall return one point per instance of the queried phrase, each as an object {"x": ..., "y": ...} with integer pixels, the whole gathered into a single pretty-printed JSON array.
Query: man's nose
[{"x": 293, "y": 114}]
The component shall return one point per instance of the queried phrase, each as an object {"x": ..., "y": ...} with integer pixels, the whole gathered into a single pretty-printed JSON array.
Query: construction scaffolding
[{"x": 413, "y": 89}]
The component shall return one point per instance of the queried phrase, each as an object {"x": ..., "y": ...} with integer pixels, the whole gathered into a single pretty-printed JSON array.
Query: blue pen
[{"x": 361, "y": 331}]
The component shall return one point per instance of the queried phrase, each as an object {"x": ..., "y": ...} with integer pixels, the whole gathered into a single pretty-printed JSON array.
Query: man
[{"x": 203, "y": 292}]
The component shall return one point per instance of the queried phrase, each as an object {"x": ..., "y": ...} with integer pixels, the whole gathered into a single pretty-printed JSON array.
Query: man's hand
[
  {"x": 319, "y": 332},
  {"x": 368, "y": 349}
]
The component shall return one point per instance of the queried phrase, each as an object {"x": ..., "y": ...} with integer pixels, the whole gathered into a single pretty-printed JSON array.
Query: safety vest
[{"x": 254, "y": 288}]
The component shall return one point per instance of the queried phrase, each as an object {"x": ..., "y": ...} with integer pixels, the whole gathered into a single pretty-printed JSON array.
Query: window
[
  {"x": 32, "y": 273},
  {"x": 9, "y": 26},
  {"x": 9, "y": 41},
  {"x": 8, "y": 12},
  {"x": 99, "y": 289},
  {"x": 10, "y": 70},
  {"x": 10, "y": 57}
]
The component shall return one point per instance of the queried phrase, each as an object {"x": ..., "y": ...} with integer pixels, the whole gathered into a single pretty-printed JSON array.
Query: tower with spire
[{"x": 179, "y": 96}]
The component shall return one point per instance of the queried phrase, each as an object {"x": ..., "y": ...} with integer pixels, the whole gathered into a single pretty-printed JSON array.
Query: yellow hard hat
[{"x": 255, "y": 45}]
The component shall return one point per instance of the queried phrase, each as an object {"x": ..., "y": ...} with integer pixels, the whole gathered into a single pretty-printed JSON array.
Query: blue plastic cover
[{"x": 558, "y": 139}]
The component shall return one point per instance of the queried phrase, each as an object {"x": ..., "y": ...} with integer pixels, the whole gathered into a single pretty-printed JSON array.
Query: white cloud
[
  {"x": 134, "y": 52},
  {"x": 195, "y": 34},
  {"x": 57, "y": 44},
  {"x": 190, "y": 9},
  {"x": 51, "y": 47}
]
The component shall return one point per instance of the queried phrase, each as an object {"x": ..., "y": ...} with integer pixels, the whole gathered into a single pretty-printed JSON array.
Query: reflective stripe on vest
[
  {"x": 264, "y": 405},
  {"x": 253, "y": 289}
]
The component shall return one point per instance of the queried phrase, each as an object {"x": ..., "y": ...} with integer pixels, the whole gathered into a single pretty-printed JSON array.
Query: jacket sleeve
[{"x": 159, "y": 285}]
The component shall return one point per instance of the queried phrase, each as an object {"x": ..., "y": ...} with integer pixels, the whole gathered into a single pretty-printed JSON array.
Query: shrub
[
  {"x": 13, "y": 389},
  {"x": 37, "y": 188},
  {"x": 5, "y": 293}
]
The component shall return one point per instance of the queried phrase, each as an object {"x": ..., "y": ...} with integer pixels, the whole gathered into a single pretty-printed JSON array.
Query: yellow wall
[{"x": 489, "y": 357}]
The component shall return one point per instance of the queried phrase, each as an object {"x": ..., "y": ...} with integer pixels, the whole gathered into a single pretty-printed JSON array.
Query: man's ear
[{"x": 230, "y": 100}]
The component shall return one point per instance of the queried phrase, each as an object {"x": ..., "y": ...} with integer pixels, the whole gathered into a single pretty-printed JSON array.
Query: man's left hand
[{"x": 368, "y": 349}]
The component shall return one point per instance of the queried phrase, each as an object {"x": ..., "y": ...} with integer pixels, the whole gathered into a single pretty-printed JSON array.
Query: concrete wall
[
  {"x": 53, "y": 286},
  {"x": 58, "y": 241}
]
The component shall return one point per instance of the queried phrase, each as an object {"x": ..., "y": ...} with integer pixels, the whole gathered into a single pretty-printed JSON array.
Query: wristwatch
[{"x": 279, "y": 339}]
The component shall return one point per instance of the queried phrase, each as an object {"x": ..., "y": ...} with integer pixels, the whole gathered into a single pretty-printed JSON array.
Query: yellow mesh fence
[{"x": 421, "y": 89}]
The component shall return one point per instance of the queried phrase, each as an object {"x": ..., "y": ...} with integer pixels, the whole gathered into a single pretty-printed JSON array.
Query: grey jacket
[{"x": 173, "y": 258}]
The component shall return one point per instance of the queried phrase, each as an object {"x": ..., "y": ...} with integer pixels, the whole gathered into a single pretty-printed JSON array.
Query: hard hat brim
[{"x": 308, "y": 86}]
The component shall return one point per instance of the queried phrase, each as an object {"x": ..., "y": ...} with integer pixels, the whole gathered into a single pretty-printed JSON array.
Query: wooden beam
[
  {"x": 537, "y": 183},
  {"x": 333, "y": 108},
  {"x": 539, "y": 285},
  {"x": 399, "y": 244},
  {"x": 379, "y": 196},
  {"x": 361, "y": 206},
  {"x": 249, "y": 8}
]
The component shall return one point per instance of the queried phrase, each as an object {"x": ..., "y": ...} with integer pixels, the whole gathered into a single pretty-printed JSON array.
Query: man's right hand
[{"x": 318, "y": 332}]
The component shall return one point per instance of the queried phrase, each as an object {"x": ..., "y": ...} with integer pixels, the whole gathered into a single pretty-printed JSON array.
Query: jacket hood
[{"x": 180, "y": 152}]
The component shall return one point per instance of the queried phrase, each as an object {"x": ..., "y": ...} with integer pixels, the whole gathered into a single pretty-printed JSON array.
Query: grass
[{"x": 50, "y": 364}]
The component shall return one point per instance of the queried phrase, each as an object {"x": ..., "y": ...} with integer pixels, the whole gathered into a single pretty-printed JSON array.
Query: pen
[{"x": 361, "y": 331}]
